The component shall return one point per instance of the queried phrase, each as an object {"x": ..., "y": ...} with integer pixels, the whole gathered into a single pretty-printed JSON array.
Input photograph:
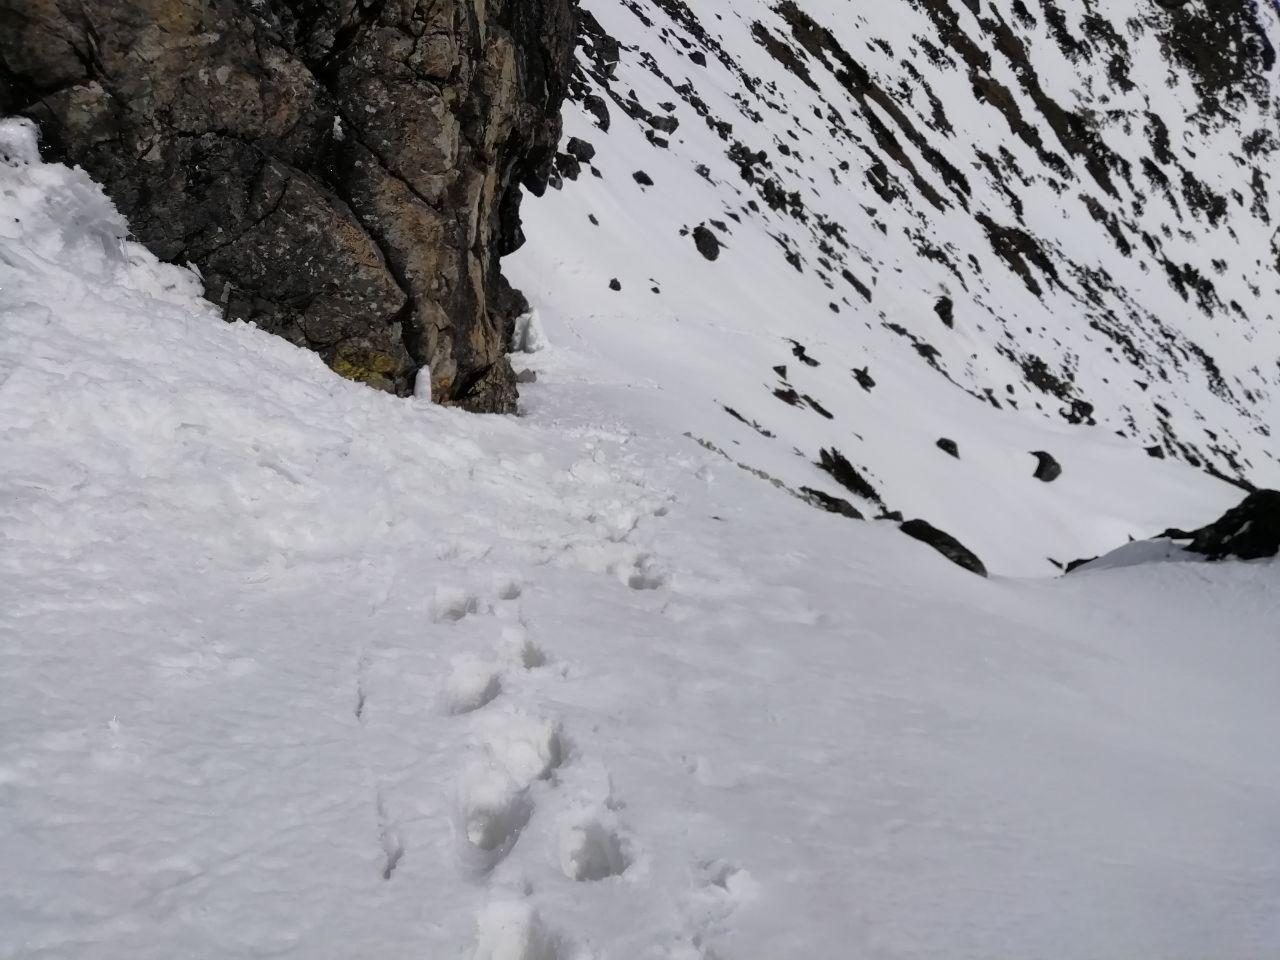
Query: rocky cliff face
[{"x": 345, "y": 173}]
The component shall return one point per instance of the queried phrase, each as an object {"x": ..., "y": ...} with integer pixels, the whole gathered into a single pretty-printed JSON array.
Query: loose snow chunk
[
  {"x": 19, "y": 140},
  {"x": 528, "y": 748},
  {"x": 529, "y": 337},
  {"x": 472, "y": 684}
]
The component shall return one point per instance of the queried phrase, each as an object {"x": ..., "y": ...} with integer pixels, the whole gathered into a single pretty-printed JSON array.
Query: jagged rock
[
  {"x": 1249, "y": 531},
  {"x": 642, "y": 178},
  {"x": 344, "y": 175},
  {"x": 945, "y": 544},
  {"x": 1047, "y": 468},
  {"x": 825, "y": 501},
  {"x": 847, "y": 475},
  {"x": 949, "y": 447}
]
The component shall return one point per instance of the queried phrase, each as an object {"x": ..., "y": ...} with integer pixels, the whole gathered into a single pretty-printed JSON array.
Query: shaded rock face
[
  {"x": 1250, "y": 531},
  {"x": 344, "y": 174}
]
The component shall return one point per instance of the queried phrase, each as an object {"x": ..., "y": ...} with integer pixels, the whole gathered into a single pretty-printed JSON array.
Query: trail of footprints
[{"x": 515, "y": 767}]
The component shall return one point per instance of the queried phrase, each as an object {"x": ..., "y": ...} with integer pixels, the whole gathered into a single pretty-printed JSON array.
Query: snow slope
[
  {"x": 1017, "y": 226},
  {"x": 297, "y": 669}
]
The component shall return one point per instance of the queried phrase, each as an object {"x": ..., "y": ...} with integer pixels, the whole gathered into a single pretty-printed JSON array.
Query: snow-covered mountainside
[
  {"x": 843, "y": 232},
  {"x": 297, "y": 669}
]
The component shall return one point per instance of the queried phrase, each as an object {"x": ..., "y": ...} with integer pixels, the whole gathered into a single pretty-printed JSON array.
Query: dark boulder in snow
[
  {"x": 945, "y": 308},
  {"x": 949, "y": 447},
  {"x": 945, "y": 544},
  {"x": 568, "y": 166},
  {"x": 708, "y": 243},
  {"x": 330, "y": 167},
  {"x": 1249, "y": 531},
  {"x": 580, "y": 150},
  {"x": 1047, "y": 468}
]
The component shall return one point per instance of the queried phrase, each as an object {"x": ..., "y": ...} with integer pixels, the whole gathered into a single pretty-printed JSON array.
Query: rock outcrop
[
  {"x": 345, "y": 174},
  {"x": 1250, "y": 531}
]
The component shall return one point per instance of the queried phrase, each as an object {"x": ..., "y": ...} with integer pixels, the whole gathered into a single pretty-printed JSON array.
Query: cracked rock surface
[{"x": 344, "y": 173}]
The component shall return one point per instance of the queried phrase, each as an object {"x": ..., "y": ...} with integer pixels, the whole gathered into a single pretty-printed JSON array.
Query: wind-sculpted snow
[
  {"x": 1023, "y": 226},
  {"x": 298, "y": 669}
]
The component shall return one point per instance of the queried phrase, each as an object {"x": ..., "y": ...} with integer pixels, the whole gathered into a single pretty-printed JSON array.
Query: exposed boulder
[
  {"x": 945, "y": 308},
  {"x": 1047, "y": 467},
  {"x": 945, "y": 544},
  {"x": 706, "y": 241},
  {"x": 949, "y": 447},
  {"x": 1249, "y": 531},
  {"x": 344, "y": 175}
]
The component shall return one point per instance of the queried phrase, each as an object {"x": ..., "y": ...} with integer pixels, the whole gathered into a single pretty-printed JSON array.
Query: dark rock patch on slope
[
  {"x": 945, "y": 544},
  {"x": 1250, "y": 531}
]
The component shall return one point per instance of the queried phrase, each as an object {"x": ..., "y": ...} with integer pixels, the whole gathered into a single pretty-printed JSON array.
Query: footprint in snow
[
  {"x": 451, "y": 604},
  {"x": 509, "y": 589},
  {"x": 517, "y": 648},
  {"x": 493, "y": 809},
  {"x": 592, "y": 848},
  {"x": 643, "y": 574},
  {"x": 494, "y": 800}
]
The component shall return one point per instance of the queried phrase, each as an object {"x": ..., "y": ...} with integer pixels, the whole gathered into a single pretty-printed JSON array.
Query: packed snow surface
[{"x": 297, "y": 669}]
